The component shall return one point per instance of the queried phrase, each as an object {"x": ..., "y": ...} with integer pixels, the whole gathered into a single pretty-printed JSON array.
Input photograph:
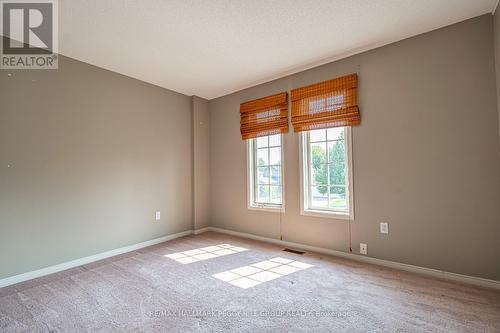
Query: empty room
[{"x": 249, "y": 166}]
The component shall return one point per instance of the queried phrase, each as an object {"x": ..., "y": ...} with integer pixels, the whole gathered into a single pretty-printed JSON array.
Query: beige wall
[
  {"x": 92, "y": 156},
  {"x": 497, "y": 59},
  {"x": 87, "y": 156},
  {"x": 425, "y": 155},
  {"x": 201, "y": 158}
]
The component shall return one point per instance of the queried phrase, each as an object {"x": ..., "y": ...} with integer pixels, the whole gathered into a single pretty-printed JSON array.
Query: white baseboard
[
  {"x": 86, "y": 260},
  {"x": 476, "y": 281},
  {"x": 199, "y": 231}
]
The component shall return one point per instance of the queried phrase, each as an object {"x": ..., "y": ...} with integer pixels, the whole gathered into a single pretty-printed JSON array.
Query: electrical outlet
[
  {"x": 363, "y": 248},
  {"x": 384, "y": 227},
  {"x": 157, "y": 216}
]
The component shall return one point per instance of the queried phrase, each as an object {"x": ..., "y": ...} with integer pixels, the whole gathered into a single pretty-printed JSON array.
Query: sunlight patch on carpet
[
  {"x": 264, "y": 271},
  {"x": 205, "y": 253}
]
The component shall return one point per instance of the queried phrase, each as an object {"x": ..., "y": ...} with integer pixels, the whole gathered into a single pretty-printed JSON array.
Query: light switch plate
[
  {"x": 384, "y": 227},
  {"x": 157, "y": 216},
  {"x": 363, "y": 248}
]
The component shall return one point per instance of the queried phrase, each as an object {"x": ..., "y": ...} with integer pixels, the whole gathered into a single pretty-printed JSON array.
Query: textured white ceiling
[{"x": 211, "y": 48}]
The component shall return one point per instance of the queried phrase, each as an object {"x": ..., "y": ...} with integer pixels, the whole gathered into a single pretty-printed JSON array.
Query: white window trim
[
  {"x": 270, "y": 208},
  {"x": 304, "y": 186}
]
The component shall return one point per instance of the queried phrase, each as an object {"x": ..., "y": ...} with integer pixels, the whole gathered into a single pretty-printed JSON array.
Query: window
[
  {"x": 265, "y": 173},
  {"x": 326, "y": 173}
]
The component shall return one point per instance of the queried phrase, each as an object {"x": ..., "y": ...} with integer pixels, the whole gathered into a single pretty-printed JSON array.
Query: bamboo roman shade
[
  {"x": 326, "y": 104},
  {"x": 264, "y": 116}
]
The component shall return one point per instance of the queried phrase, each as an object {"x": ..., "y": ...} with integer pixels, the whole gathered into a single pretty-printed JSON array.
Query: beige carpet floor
[{"x": 230, "y": 284}]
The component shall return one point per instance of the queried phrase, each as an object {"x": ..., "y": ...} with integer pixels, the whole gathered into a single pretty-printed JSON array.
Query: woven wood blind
[
  {"x": 326, "y": 104},
  {"x": 264, "y": 116}
]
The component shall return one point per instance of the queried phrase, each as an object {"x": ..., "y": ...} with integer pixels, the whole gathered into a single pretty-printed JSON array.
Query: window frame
[
  {"x": 305, "y": 195},
  {"x": 251, "y": 176}
]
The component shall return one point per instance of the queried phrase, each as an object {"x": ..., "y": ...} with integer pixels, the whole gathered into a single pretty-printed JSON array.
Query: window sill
[
  {"x": 325, "y": 214},
  {"x": 267, "y": 209}
]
